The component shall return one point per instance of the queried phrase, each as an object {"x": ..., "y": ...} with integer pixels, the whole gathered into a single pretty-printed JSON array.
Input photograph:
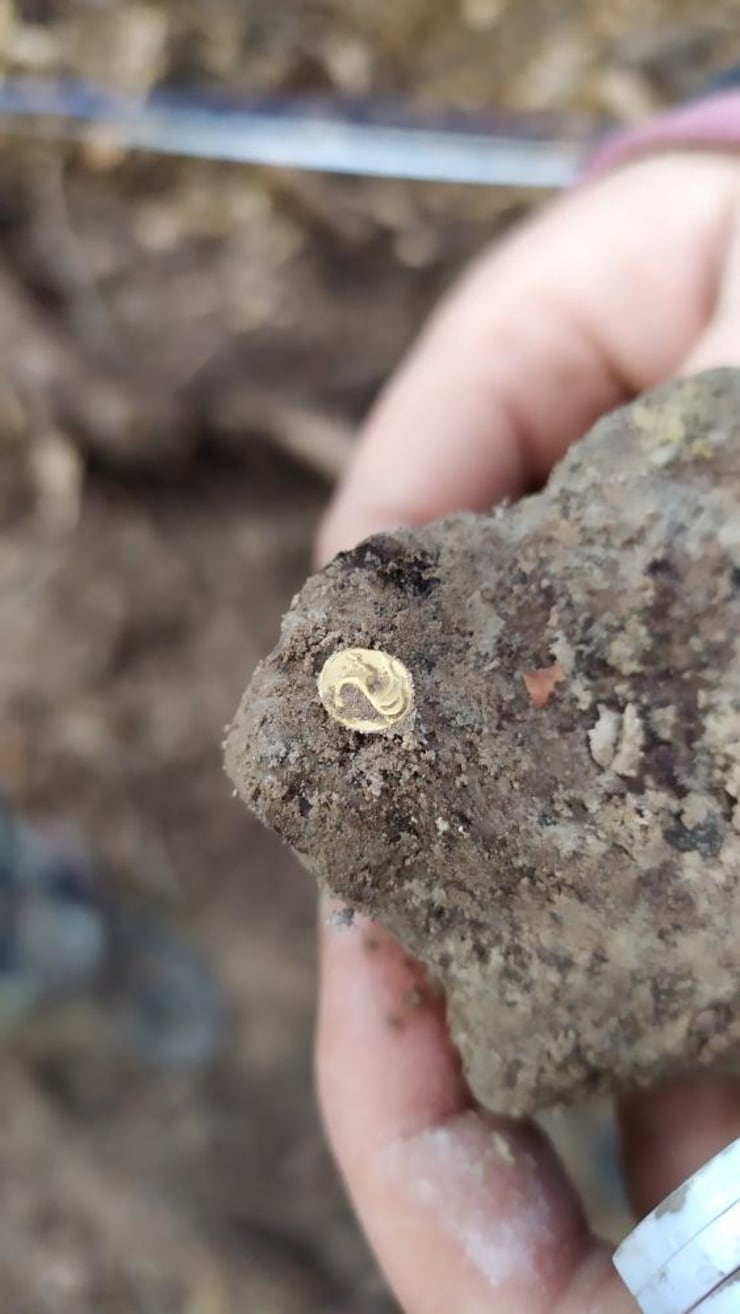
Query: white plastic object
[
  {"x": 724, "y": 1300},
  {"x": 698, "y": 1267},
  {"x": 678, "y": 1256}
]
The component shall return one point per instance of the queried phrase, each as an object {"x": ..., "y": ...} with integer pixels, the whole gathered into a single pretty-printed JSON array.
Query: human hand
[{"x": 622, "y": 285}]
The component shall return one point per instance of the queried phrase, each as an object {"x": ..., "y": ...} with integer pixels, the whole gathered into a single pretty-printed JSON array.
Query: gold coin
[{"x": 366, "y": 690}]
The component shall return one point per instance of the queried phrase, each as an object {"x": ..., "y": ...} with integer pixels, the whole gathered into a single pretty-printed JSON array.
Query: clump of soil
[{"x": 555, "y": 824}]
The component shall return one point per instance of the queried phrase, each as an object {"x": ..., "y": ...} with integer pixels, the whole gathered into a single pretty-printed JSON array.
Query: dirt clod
[{"x": 581, "y": 908}]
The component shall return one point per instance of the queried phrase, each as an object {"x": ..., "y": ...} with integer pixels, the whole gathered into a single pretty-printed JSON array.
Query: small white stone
[
  {"x": 616, "y": 741},
  {"x": 602, "y": 739},
  {"x": 564, "y": 655},
  {"x": 631, "y": 741},
  {"x": 663, "y": 721}
]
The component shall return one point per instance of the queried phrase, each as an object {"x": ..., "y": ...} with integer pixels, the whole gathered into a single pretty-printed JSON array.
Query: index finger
[{"x": 599, "y": 298}]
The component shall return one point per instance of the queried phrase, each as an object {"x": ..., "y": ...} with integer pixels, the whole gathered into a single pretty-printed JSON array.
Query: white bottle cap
[
  {"x": 698, "y": 1267},
  {"x": 690, "y": 1244},
  {"x": 725, "y": 1300}
]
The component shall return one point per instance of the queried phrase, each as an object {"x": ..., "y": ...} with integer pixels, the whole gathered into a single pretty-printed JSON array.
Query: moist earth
[{"x": 554, "y": 830}]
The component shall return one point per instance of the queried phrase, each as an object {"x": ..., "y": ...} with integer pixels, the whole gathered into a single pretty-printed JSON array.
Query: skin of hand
[{"x": 625, "y": 283}]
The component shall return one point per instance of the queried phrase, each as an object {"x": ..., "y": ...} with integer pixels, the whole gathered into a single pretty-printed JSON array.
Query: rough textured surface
[
  {"x": 165, "y": 317},
  {"x": 556, "y": 835}
]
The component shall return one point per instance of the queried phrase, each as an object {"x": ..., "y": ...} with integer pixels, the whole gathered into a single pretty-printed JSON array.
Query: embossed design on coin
[{"x": 367, "y": 690}]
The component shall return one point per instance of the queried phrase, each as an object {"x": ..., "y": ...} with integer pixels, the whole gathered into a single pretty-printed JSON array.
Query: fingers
[
  {"x": 465, "y": 1210},
  {"x": 719, "y": 341},
  {"x": 599, "y": 298},
  {"x": 669, "y": 1132}
]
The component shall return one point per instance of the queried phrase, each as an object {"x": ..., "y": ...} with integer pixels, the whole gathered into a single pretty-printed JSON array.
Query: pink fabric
[{"x": 711, "y": 124}]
